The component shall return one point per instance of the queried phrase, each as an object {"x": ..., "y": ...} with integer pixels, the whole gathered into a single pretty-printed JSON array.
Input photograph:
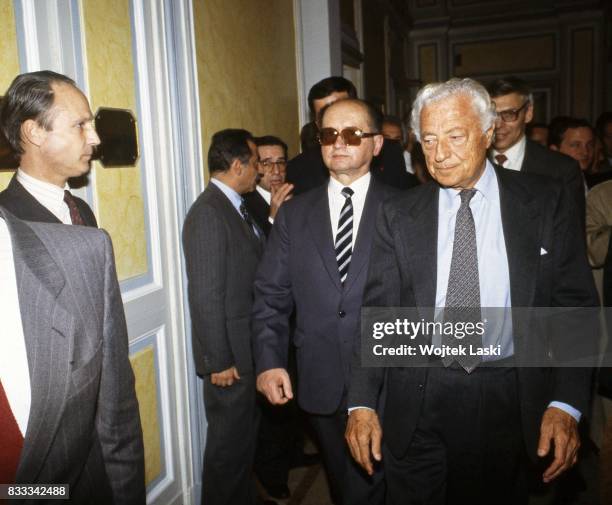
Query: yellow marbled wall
[
  {"x": 9, "y": 57},
  {"x": 247, "y": 68},
  {"x": 143, "y": 364},
  {"x": 120, "y": 209}
]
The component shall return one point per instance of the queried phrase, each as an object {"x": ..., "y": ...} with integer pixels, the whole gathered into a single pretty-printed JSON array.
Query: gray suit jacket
[
  {"x": 536, "y": 213},
  {"x": 84, "y": 426},
  {"x": 221, "y": 255},
  {"x": 299, "y": 266}
]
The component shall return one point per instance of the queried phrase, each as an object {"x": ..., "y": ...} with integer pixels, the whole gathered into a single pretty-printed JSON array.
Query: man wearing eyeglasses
[
  {"x": 316, "y": 261},
  {"x": 511, "y": 149},
  {"x": 271, "y": 190}
]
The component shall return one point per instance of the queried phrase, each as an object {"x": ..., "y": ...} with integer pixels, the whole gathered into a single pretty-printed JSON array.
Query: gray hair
[{"x": 439, "y": 90}]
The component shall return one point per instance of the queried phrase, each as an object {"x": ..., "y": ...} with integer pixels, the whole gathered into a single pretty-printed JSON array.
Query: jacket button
[{"x": 341, "y": 313}]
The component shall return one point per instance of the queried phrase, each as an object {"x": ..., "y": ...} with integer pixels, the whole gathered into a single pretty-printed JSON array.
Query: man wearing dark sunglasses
[
  {"x": 511, "y": 149},
  {"x": 316, "y": 260}
]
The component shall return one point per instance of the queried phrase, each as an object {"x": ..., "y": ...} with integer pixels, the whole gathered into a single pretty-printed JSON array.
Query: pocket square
[{"x": 543, "y": 251}]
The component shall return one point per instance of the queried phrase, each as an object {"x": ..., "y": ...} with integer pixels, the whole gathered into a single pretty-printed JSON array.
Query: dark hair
[
  {"x": 271, "y": 140},
  {"x": 326, "y": 87},
  {"x": 532, "y": 126},
  {"x": 375, "y": 118},
  {"x": 560, "y": 124},
  {"x": 507, "y": 85},
  {"x": 30, "y": 96},
  {"x": 227, "y": 146},
  {"x": 600, "y": 125}
]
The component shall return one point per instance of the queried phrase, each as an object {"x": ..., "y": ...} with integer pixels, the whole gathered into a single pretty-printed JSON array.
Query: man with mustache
[{"x": 48, "y": 124}]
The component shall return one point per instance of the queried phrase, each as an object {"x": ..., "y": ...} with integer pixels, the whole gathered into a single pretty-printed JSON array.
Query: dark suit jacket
[
  {"x": 84, "y": 425},
  {"x": 542, "y": 161},
  {"x": 299, "y": 267},
  {"x": 536, "y": 213},
  {"x": 221, "y": 255},
  {"x": 259, "y": 210},
  {"x": 16, "y": 199}
]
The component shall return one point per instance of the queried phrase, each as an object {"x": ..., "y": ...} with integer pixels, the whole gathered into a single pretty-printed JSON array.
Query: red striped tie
[{"x": 11, "y": 441}]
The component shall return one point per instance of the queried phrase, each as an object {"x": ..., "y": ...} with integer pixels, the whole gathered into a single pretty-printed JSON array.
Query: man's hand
[
  {"x": 280, "y": 194},
  {"x": 364, "y": 435},
  {"x": 561, "y": 428},
  {"x": 225, "y": 378},
  {"x": 275, "y": 385}
]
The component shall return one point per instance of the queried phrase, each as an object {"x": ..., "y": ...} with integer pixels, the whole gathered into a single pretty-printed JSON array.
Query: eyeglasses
[
  {"x": 351, "y": 136},
  {"x": 268, "y": 165},
  {"x": 508, "y": 116}
]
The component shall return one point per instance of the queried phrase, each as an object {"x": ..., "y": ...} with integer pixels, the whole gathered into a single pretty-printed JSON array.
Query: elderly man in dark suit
[
  {"x": 68, "y": 408},
  {"x": 49, "y": 126},
  {"x": 316, "y": 259},
  {"x": 513, "y": 150},
  {"x": 222, "y": 249},
  {"x": 476, "y": 237}
]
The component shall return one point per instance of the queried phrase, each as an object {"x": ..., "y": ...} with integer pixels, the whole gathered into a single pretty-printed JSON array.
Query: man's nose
[
  {"x": 442, "y": 151},
  {"x": 92, "y": 137}
]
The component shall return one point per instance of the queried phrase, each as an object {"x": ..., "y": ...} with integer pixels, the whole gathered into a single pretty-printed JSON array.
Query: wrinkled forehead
[{"x": 342, "y": 114}]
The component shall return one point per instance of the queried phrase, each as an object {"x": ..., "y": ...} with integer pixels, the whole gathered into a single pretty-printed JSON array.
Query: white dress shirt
[
  {"x": 48, "y": 195},
  {"x": 515, "y": 155},
  {"x": 336, "y": 201},
  {"x": 14, "y": 371}
]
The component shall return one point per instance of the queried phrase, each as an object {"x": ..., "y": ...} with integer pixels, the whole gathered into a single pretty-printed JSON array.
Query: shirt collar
[
  {"x": 359, "y": 186},
  {"x": 265, "y": 194},
  {"x": 485, "y": 186},
  {"x": 231, "y": 193},
  {"x": 515, "y": 154},
  {"x": 36, "y": 185}
]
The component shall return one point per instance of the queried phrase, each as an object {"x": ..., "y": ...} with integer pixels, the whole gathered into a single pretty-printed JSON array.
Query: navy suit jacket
[{"x": 299, "y": 268}]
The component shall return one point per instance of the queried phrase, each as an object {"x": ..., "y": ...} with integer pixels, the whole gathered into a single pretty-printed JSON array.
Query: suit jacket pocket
[
  {"x": 239, "y": 335},
  {"x": 87, "y": 373}
]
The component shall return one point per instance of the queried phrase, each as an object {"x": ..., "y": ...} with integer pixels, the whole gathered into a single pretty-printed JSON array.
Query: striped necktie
[{"x": 344, "y": 237}]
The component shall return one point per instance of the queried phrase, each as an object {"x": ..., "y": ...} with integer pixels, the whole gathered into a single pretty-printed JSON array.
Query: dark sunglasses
[{"x": 351, "y": 136}]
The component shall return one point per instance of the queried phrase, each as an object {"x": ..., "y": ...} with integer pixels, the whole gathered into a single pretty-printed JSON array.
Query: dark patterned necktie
[
  {"x": 463, "y": 292},
  {"x": 11, "y": 441},
  {"x": 344, "y": 236},
  {"x": 501, "y": 159},
  {"x": 75, "y": 215},
  {"x": 249, "y": 220}
]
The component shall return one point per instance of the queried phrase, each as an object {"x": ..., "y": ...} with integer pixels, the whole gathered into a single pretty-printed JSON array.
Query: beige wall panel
[
  {"x": 143, "y": 364},
  {"x": 428, "y": 63},
  {"x": 247, "y": 68},
  {"x": 111, "y": 83},
  {"x": 9, "y": 58},
  {"x": 506, "y": 56},
  {"x": 582, "y": 73}
]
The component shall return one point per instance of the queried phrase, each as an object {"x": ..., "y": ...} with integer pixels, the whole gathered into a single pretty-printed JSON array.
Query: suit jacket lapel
[
  {"x": 320, "y": 228},
  {"x": 49, "y": 337},
  {"x": 240, "y": 223},
  {"x": 518, "y": 213},
  {"x": 421, "y": 239}
]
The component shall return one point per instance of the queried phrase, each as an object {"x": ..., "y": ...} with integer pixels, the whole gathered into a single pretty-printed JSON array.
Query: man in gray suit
[
  {"x": 68, "y": 408},
  {"x": 222, "y": 248},
  {"x": 317, "y": 258}
]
